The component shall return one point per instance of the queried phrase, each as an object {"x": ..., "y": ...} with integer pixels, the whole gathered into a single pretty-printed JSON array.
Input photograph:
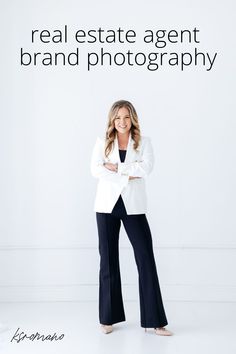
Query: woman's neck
[{"x": 123, "y": 140}]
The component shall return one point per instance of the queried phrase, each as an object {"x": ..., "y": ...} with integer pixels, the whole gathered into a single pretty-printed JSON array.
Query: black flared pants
[{"x": 111, "y": 308}]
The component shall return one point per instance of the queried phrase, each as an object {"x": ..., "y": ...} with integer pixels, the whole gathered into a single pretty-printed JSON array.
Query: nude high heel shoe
[
  {"x": 106, "y": 328},
  {"x": 162, "y": 331}
]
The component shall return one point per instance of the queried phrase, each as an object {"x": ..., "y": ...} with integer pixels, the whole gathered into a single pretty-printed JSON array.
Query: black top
[{"x": 122, "y": 155}]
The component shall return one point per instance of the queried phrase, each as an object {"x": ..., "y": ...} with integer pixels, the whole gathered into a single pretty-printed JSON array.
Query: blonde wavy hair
[{"x": 111, "y": 131}]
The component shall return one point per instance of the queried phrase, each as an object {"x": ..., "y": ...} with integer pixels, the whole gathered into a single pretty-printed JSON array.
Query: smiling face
[{"x": 123, "y": 121}]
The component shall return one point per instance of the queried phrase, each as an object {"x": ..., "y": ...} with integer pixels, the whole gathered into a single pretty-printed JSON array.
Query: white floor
[{"x": 198, "y": 327}]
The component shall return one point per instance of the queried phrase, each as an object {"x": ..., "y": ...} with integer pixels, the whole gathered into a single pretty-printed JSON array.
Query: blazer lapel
[
  {"x": 115, "y": 152},
  {"x": 129, "y": 152}
]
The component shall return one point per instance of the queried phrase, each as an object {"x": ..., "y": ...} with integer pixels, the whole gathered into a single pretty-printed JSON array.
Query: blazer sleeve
[
  {"x": 99, "y": 171},
  {"x": 139, "y": 168}
]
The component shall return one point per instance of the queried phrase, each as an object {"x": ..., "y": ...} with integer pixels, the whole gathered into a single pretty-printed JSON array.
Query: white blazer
[{"x": 138, "y": 163}]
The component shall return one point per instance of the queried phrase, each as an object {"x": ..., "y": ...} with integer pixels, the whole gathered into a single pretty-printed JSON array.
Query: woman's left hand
[{"x": 111, "y": 166}]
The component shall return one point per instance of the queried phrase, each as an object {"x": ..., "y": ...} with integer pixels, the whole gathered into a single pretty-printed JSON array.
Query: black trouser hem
[
  {"x": 113, "y": 322},
  {"x": 154, "y": 325}
]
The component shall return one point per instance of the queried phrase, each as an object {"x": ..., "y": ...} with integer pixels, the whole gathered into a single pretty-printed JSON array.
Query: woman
[{"x": 122, "y": 161}]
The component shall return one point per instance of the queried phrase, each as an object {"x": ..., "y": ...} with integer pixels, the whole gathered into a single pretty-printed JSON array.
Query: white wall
[{"x": 50, "y": 118}]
